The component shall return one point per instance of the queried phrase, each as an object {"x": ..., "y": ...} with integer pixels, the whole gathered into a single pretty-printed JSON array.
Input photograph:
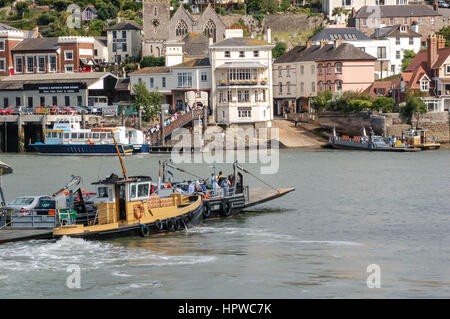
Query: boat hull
[
  {"x": 188, "y": 219},
  {"x": 81, "y": 149},
  {"x": 217, "y": 207}
]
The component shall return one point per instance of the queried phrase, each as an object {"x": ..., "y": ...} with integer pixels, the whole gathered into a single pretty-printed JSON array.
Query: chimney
[
  {"x": 269, "y": 35},
  {"x": 322, "y": 43},
  {"x": 432, "y": 45},
  {"x": 440, "y": 42},
  {"x": 337, "y": 43},
  {"x": 117, "y": 20},
  {"x": 415, "y": 27},
  {"x": 309, "y": 44}
]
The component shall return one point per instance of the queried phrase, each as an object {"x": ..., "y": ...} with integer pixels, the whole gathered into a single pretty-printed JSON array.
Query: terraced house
[{"x": 338, "y": 67}]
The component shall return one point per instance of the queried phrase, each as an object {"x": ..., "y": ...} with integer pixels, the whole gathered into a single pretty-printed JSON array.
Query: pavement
[{"x": 292, "y": 136}]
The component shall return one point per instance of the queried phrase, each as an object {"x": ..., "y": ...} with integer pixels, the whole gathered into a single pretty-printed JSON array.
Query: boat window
[
  {"x": 73, "y": 135},
  {"x": 60, "y": 135},
  {"x": 133, "y": 191},
  {"x": 102, "y": 192},
  {"x": 88, "y": 135},
  {"x": 48, "y": 134},
  {"x": 102, "y": 135},
  {"x": 22, "y": 201},
  {"x": 66, "y": 135},
  {"x": 81, "y": 135},
  {"x": 109, "y": 135},
  {"x": 53, "y": 135},
  {"x": 143, "y": 190},
  {"x": 95, "y": 135}
]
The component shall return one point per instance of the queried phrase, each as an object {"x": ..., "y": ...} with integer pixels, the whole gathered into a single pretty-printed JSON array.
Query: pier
[{"x": 18, "y": 131}]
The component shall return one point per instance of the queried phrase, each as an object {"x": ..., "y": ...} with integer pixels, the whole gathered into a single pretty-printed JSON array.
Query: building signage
[
  {"x": 244, "y": 108},
  {"x": 56, "y": 87}
]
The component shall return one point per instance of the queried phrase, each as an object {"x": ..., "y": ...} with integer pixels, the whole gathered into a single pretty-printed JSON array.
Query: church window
[
  {"x": 181, "y": 28},
  {"x": 210, "y": 30}
]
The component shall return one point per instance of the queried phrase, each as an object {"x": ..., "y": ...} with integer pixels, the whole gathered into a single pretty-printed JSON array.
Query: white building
[
  {"x": 241, "y": 70},
  {"x": 101, "y": 49},
  {"x": 124, "y": 41},
  {"x": 329, "y": 5}
]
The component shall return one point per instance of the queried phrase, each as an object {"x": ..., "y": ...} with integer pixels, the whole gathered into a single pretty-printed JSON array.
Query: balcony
[{"x": 238, "y": 83}]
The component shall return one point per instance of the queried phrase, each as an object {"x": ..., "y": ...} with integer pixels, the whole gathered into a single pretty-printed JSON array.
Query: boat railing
[{"x": 37, "y": 218}]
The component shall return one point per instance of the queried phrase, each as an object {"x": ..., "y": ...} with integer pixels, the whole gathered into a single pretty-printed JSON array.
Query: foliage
[
  {"x": 279, "y": 49},
  {"x": 337, "y": 11},
  {"x": 414, "y": 106},
  {"x": 269, "y": 6},
  {"x": 107, "y": 11},
  {"x": 149, "y": 101},
  {"x": 445, "y": 32},
  {"x": 259, "y": 17},
  {"x": 148, "y": 61},
  {"x": 45, "y": 19},
  {"x": 408, "y": 55},
  {"x": 285, "y": 4},
  {"x": 21, "y": 8},
  {"x": 358, "y": 105},
  {"x": 384, "y": 104},
  {"x": 253, "y": 6},
  {"x": 350, "y": 101},
  {"x": 320, "y": 102},
  {"x": 221, "y": 11}
]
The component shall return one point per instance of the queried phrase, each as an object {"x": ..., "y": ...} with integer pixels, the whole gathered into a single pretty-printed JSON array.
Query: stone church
[{"x": 160, "y": 28}]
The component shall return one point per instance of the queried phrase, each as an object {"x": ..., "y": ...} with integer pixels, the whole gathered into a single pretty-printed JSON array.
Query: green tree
[
  {"x": 152, "y": 61},
  {"x": 285, "y": 5},
  {"x": 384, "y": 104},
  {"x": 279, "y": 49},
  {"x": 408, "y": 55},
  {"x": 96, "y": 27},
  {"x": 21, "y": 8},
  {"x": 445, "y": 32},
  {"x": 414, "y": 107},
  {"x": 253, "y": 6},
  {"x": 270, "y": 6},
  {"x": 150, "y": 102},
  {"x": 321, "y": 101}
]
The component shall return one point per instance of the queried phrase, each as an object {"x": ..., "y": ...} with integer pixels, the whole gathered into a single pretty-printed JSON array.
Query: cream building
[
  {"x": 124, "y": 41},
  {"x": 241, "y": 70}
]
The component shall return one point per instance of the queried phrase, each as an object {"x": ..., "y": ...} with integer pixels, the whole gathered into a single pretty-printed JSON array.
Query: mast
[{"x": 120, "y": 157}]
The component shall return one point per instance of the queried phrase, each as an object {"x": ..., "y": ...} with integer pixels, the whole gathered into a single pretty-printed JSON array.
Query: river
[{"x": 350, "y": 210}]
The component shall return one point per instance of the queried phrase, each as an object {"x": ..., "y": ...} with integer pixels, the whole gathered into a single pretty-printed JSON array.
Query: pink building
[{"x": 343, "y": 67}]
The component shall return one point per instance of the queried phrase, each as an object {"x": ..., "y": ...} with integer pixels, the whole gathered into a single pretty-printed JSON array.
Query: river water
[{"x": 350, "y": 210}]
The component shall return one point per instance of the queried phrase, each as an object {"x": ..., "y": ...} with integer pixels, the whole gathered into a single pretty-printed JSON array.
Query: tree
[
  {"x": 414, "y": 107},
  {"x": 408, "y": 55},
  {"x": 285, "y": 4},
  {"x": 148, "y": 61},
  {"x": 338, "y": 11},
  {"x": 150, "y": 102},
  {"x": 270, "y": 6},
  {"x": 253, "y": 6},
  {"x": 279, "y": 49},
  {"x": 385, "y": 104},
  {"x": 21, "y": 8},
  {"x": 445, "y": 32},
  {"x": 320, "y": 102}
]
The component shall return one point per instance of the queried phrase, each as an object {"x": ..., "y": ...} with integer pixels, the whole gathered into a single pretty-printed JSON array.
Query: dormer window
[
  {"x": 424, "y": 86},
  {"x": 403, "y": 28}
]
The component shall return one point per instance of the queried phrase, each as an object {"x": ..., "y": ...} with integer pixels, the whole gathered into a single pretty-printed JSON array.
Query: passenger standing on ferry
[
  {"x": 203, "y": 185},
  {"x": 220, "y": 179},
  {"x": 191, "y": 187},
  {"x": 198, "y": 187}
]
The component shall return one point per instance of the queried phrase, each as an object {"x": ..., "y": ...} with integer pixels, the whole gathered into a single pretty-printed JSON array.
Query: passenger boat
[
  {"x": 67, "y": 138},
  {"x": 368, "y": 143},
  {"x": 418, "y": 138},
  {"x": 128, "y": 207},
  {"x": 221, "y": 202}
]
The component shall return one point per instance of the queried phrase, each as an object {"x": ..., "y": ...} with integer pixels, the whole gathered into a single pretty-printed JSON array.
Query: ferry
[
  {"x": 68, "y": 138},
  {"x": 363, "y": 142},
  {"x": 418, "y": 138}
]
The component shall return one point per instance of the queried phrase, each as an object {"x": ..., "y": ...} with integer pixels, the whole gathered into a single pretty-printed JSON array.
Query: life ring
[
  {"x": 168, "y": 185},
  {"x": 226, "y": 208},
  {"x": 179, "y": 224},
  {"x": 145, "y": 231},
  {"x": 206, "y": 196},
  {"x": 89, "y": 142},
  {"x": 159, "y": 225},
  {"x": 139, "y": 211},
  {"x": 207, "y": 210}
]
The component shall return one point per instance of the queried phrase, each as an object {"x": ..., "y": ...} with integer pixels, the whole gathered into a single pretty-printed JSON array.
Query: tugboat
[
  {"x": 128, "y": 207},
  {"x": 418, "y": 138},
  {"x": 222, "y": 202},
  {"x": 67, "y": 138}
]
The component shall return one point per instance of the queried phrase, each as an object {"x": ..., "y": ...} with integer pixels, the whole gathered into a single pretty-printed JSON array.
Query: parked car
[
  {"x": 443, "y": 4},
  {"x": 6, "y": 111},
  {"x": 22, "y": 110},
  {"x": 24, "y": 204}
]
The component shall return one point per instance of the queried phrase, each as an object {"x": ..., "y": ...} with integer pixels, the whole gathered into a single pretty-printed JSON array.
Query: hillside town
[{"x": 380, "y": 58}]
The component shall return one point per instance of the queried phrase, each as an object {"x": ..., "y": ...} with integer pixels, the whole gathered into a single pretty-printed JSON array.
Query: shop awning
[{"x": 242, "y": 65}]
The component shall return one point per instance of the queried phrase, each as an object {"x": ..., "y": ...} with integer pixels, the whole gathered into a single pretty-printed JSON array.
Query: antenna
[{"x": 120, "y": 157}]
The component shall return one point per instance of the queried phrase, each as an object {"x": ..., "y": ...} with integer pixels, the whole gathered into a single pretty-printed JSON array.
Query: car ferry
[
  {"x": 68, "y": 138},
  {"x": 127, "y": 207},
  {"x": 418, "y": 138}
]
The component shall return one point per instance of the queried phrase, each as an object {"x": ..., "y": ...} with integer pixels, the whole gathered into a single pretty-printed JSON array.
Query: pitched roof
[
  {"x": 240, "y": 42},
  {"x": 102, "y": 40},
  {"x": 195, "y": 45},
  {"x": 382, "y": 86},
  {"x": 331, "y": 34},
  {"x": 152, "y": 70},
  {"x": 32, "y": 44},
  {"x": 293, "y": 55},
  {"x": 7, "y": 27},
  {"x": 422, "y": 58},
  {"x": 394, "y": 31},
  {"x": 125, "y": 25},
  {"x": 396, "y": 11},
  {"x": 193, "y": 63}
]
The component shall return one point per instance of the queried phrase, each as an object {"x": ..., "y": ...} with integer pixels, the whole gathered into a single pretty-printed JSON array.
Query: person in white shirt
[{"x": 191, "y": 187}]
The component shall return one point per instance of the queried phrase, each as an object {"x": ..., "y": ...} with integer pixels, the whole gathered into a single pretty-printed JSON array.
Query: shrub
[{"x": 384, "y": 104}]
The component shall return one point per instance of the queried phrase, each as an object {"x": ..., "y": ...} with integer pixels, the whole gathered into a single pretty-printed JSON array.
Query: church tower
[{"x": 156, "y": 19}]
